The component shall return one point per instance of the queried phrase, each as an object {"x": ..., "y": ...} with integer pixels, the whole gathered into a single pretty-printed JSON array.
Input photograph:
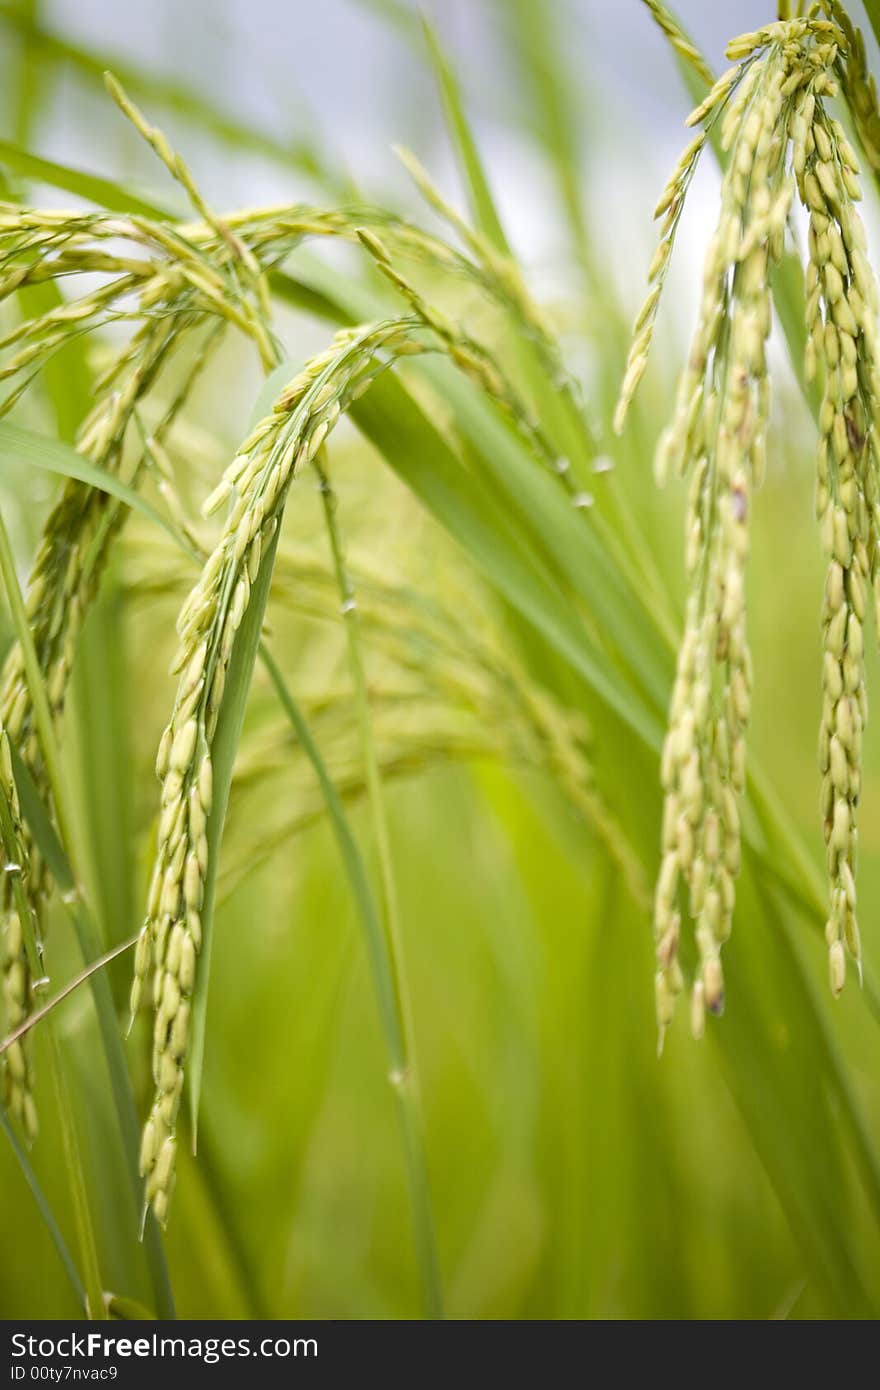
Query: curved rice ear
[
  {"x": 75, "y": 543},
  {"x": 219, "y": 628},
  {"x": 721, "y": 399},
  {"x": 670, "y": 207},
  {"x": 718, "y": 434}
]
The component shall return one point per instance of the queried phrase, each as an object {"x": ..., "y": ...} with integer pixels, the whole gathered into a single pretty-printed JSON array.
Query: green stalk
[
  {"x": 45, "y": 1210},
  {"x": 387, "y": 949},
  {"x": 96, "y": 1306},
  {"x": 94, "y": 1288},
  {"x": 84, "y": 926}
]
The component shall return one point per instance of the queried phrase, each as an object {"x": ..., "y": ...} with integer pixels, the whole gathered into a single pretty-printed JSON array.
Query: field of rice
[{"x": 439, "y": 525}]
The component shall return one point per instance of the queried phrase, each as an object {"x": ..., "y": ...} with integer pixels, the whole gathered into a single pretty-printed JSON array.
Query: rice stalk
[
  {"x": 72, "y": 554},
  {"x": 857, "y": 83}
]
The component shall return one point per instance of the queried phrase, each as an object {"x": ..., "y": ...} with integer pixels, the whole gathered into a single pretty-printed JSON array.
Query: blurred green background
[{"x": 573, "y": 1174}]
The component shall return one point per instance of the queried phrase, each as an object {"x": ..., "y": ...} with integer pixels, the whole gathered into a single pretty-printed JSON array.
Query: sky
[{"x": 338, "y": 66}]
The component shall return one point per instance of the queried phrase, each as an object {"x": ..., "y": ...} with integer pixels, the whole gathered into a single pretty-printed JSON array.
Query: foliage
[{"x": 424, "y": 853}]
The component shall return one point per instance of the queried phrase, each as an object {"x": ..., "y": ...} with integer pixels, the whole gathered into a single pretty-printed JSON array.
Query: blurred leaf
[
  {"x": 46, "y": 840},
  {"x": 92, "y": 187},
  {"x": 348, "y": 848},
  {"x": 482, "y": 204}
]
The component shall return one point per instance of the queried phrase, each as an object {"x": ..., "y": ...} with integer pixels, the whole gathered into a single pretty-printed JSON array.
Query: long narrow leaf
[
  {"x": 160, "y": 91},
  {"x": 45, "y": 1209},
  {"x": 21, "y": 445},
  {"x": 92, "y": 187},
  {"x": 223, "y": 751},
  {"x": 483, "y": 209}
]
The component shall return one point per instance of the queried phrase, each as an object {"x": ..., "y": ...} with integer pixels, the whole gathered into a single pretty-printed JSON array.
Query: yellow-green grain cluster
[
  {"x": 842, "y": 325},
  {"x": 63, "y": 582},
  {"x": 777, "y": 136},
  {"x": 255, "y": 488},
  {"x": 178, "y": 285},
  {"x": 80, "y": 529}
]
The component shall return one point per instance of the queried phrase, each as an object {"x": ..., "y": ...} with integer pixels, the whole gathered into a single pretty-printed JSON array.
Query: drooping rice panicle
[
  {"x": 80, "y": 529},
  {"x": 779, "y": 136},
  {"x": 669, "y": 207},
  {"x": 256, "y": 487},
  {"x": 842, "y": 325},
  {"x": 63, "y": 582},
  {"x": 718, "y": 438}
]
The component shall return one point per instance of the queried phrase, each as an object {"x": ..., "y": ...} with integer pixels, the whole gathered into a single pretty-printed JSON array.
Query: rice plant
[{"x": 356, "y": 727}]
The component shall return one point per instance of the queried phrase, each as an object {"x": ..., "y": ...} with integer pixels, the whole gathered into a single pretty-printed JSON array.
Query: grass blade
[
  {"x": 872, "y": 10},
  {"x": 160, "y": 91},
  {"x": 21, "y": 445},
  {"x": 128, "y": 1309},
  {"x": 105, "y": 193},
  {"x": 550, "y": 93},
  {"x": 45, "y": 1209},
  {"x": 45, "y": 838},
  {"x": 95, "y": 1303},
  {"x": 58, "y": 998},
  {"x": 94, "y": 1295},
  {"x": 482, "y": 204}
]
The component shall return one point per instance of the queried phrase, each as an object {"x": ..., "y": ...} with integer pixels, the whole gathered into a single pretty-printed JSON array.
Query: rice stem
[{"x": 387, "y": 950}]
